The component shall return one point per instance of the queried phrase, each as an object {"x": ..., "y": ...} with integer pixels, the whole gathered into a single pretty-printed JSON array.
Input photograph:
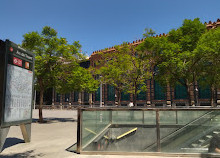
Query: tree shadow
[
  {"x": 23, "y": 155},
  {"x": 54, "y": 120},
  {"x": 11, "y": 142}
]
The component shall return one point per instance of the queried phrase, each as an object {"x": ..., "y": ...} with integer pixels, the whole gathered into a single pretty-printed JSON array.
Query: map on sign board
[{"x": 18, "y": 97}]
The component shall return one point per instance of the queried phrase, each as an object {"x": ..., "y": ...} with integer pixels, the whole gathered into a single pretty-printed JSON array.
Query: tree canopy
[
  {"x": 125, "y": 70},
  {"x": 53, "y": 55},
  {"x": 173, "y": 55},
  {"x": 208, "y": 49}
]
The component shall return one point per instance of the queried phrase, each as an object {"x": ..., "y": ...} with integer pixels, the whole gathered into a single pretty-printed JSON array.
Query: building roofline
[{"x": 209, "y": 25}]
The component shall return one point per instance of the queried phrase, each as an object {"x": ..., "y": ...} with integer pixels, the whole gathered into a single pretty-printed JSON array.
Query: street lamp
[{"x": 100, "y": 91}]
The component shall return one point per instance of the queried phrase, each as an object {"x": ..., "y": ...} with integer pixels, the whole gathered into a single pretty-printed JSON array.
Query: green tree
[
  {"x": 113, "y": 71},
  {"x": 138, "y": 72},
  {"x": 125, "y": 69},
  {"x": 72, "y": 77},
  {"x": 209, "y": 48},
  {"x": 49, "y": 54},
  {"x": 174, "y": 56}
]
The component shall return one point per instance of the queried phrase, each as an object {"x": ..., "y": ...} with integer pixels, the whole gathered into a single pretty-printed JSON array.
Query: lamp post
[{"x": 100, "y": 92}]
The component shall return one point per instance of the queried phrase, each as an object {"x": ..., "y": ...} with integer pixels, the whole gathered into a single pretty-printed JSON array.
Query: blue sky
[{"x": 99, "y": 24}]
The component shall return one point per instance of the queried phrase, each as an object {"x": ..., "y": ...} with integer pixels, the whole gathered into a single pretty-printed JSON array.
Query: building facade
[{"x": 154, "y": 96}]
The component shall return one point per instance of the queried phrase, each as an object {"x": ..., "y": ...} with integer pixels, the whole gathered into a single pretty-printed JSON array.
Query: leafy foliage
[
  {"x": 173, "y": 56},
  {"x": 125, "y": 70},
  {"x": 72, "y": 77},
  {"x": 209, "y": 48},
  {"x": 53, "y": 55},
  {"x": 50, "y": 52}
]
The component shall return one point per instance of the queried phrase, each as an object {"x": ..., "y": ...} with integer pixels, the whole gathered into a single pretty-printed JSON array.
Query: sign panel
[
  {"x": 18, "y": 96},
  {"x": 19, "y": 84}
]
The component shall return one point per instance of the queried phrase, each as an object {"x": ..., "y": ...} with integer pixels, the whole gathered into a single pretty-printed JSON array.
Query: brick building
[{"x": 155, "y": 95}]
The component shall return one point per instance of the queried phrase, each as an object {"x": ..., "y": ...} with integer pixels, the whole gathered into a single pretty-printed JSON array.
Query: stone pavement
[{"x": 49, "y": 140}]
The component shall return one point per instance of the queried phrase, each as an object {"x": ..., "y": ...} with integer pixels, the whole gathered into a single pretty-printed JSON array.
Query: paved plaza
[{"x": 51, "y": 139}]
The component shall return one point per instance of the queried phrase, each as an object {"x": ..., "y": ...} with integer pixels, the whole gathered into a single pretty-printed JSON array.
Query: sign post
[{"x": 16, "y": 89}]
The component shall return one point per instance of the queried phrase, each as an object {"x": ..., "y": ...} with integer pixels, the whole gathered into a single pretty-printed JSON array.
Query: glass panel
[
  {"x": 111, "y": 93},
  {"x": 93, "y": 123},
  {"x": 123, "y": 135},
  {"x": 195, "y": 136},
  {"x": 150, "y": 117},
  {"x": 168, "y": 117},
  {"x": 185, "y": 117},
  {"x": 179, "y": 117},
  {"x": 131, "y": 139},
  {"x": 127, "y": 117},
  {"x": 181, "y": 131}
]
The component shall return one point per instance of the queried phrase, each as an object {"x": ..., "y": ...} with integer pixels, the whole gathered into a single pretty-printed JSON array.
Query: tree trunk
[
  {"x": 90, "y": 99},
  {"x": 135, "y": 97},
  {"x": 119, "y": 98},
  {"x": 212, "y": 96},
  {"x": 188, "y": 94},
  {"x": 41, "y": 106},
  {"x": 195, "y": 90}
]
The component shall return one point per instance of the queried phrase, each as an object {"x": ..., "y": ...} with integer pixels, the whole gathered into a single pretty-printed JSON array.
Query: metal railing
[{"x": 162, "y": 123}]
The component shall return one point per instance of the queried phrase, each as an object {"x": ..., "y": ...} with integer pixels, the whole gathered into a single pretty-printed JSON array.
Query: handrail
[
  {"x": 98, "y": 134},
  {"x": 180, "y": 129},
  {"x": 147, "y": 108}
]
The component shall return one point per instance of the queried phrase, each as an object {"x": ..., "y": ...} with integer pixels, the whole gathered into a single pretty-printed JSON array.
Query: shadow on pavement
[
  {"x": 54, "y": 120},
  {"x": 23, "y": 155},
  {"x": 12, "y": 141}
]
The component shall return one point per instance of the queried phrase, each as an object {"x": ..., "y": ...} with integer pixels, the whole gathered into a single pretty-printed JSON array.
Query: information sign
[
  {"x": 18, "y": 96},
  {"x": 16, "y": 89},
  {"x": 18, "y": 85}
]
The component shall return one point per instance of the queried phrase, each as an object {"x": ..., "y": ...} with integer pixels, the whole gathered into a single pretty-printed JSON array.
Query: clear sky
[{"x": 99, "y": 24}]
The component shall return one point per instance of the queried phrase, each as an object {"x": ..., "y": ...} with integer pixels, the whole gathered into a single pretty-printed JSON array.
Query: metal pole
[
  {"x": 101, "y": 94},
  {"x": 79, "y": 131},
  {"x": 176, "y": 117},
  {"x": 158, "y": 130}
]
